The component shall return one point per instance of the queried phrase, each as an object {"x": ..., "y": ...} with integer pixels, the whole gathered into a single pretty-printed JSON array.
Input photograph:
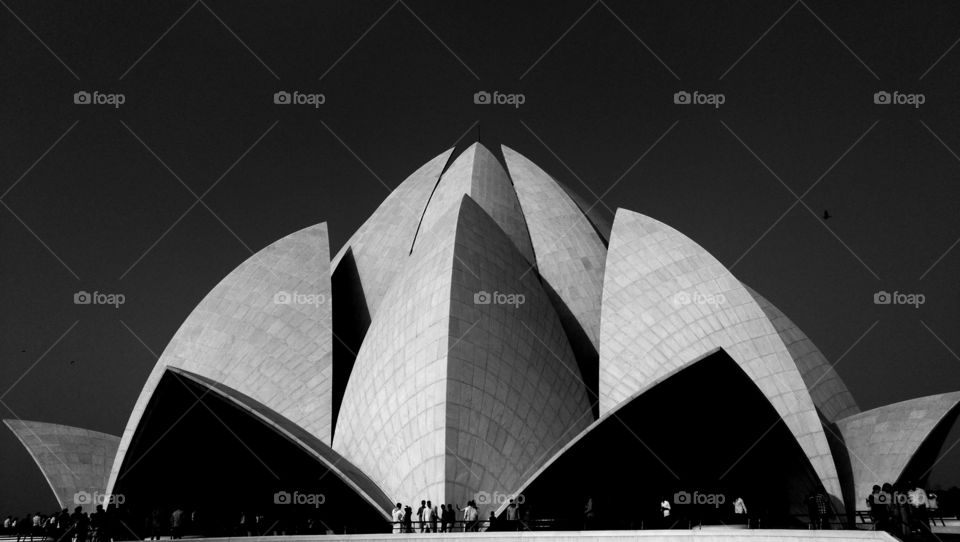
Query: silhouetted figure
[
  {"x": 78, "y": 524},
  {"x": 901, "y": 509},
  {"x": 98, "y": 525},
  {"x": 492, "y": 525},
  {"x": 408, "y": 520},
  {"x": 443, "y": 518},
  {"x": 176, "y": 523},
  {"x": 155, "y": 523},
  {"x": 23, "y": 528},
  {"x": 826, "y": 214},
  {"x": 451, "y": 517},
  {"x": 422, "y": 524},
  {"x": 589, "y": 515}
]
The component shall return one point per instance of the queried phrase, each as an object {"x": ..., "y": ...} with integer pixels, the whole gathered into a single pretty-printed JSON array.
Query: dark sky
[{"x": 100, "y": 212}]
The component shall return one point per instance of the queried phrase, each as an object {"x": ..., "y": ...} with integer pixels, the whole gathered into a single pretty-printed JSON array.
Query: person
[
  {"x": 740, "y": 512},
  {"x": 873, "y": 507},
  {"x": 420, "y": 516},
  {"x": 78, "y": 525},
  {"x": 470, "y": 517},
  {"x": 155, "y": 524},
  {"x": 36, "y": 526},
  {"x": 25, "y": 528},
  {"x": 430, "y": 515},
  {"x": 451, "y": 518},
  {"x": 588, "y": 514},
  {"x": 932, "y": 506},
  {"x": 63, "y": 524},
  {"x": 901, "y": 506},
  {"x": 176, "y": 524},
  {"x": 397, "y": 516},
  {"x": 407, "y": 519},
  {"x": 443, "y": 518},
  {"x": 918, "y": 508},
  {"x": 665, "y": 512},
  {"x": 492, "y": 523},
  {"x": 513, "y": 516}
]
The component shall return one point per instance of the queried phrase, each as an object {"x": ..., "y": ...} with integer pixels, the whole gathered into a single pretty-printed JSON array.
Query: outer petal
[
  {"x": 264, "y": 330},
  {"x": 827, "y": 390},
  {"x": 667, "y": 302},
  {"x": 881, "y": 442},
  {"x": 76, "y": 462}
]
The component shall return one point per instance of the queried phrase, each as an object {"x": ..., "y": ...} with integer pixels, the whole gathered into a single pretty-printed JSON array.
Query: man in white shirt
[{"x": 397, "y": 515}]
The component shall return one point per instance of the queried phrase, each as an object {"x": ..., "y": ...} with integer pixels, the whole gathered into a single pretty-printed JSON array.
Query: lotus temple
[{"x": 487, "y": 334}]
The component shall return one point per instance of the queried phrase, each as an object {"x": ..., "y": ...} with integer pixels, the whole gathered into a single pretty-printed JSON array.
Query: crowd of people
[
  {"x": 79, "y": 526},
  {"x": 902, "y": 509},
  {"x": 105, "y": 524},
  {"x": 430, "y": 518}
]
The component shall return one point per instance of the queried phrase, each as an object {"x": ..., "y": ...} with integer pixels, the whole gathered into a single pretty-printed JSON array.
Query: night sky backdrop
[{"x": 104, "y": 199}]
